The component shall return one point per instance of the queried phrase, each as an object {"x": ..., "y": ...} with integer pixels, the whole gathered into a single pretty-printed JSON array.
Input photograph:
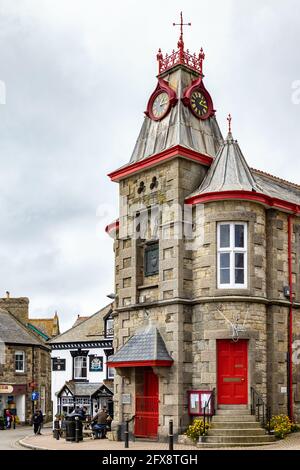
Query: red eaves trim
[
  {"x": 140, "y": 364},
  {"x": 177, "y": 151},
  {"x": 245, "y": 195},
  {"x": 113, "y": 226}
]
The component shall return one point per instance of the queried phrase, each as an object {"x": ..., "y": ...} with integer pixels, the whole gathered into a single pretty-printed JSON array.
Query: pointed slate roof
[
  {"x": 179, "y": 127},
  {"x": 84, "y": 389},
  {"x": 146, "y": 346},
  {"x": 90, "y": 329},
  {"x": 12, "y": 331},
  {"x": 229, "y": 171}
]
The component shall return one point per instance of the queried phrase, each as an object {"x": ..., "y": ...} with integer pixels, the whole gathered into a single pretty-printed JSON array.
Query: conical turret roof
[{"x": 229, "y": 171}]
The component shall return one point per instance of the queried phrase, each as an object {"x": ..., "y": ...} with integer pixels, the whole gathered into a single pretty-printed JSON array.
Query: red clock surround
[
  {"x": 197, "y": 85},
  {"x": 162, "y": 86}
]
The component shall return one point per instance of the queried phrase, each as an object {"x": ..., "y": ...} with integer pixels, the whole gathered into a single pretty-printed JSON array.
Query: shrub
[
  {"x": 281, "y": 425},
  {"x": 197, "y": 429},
  {"x": 295, "y": 427}
]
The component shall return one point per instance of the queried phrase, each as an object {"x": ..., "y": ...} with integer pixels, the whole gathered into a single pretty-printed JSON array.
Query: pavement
[
  {"x": 47, "y": 442},
  {"x": 9, "y": 438}
]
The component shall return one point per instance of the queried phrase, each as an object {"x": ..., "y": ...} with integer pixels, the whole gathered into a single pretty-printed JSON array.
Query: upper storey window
[
  {"x": 20, "y": 361},
  {"x": 232, "y": 255},
  {"x": 151, "y": 260}
]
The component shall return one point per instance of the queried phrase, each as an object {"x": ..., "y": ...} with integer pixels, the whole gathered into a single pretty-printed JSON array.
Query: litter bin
[{"x": 73, "y": 421}]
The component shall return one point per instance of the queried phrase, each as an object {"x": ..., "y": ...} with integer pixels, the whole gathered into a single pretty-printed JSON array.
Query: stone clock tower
[{"x": 190, "y": 260}]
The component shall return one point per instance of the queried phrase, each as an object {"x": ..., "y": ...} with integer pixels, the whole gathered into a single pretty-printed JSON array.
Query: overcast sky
[{"x": 78, "y": 74}]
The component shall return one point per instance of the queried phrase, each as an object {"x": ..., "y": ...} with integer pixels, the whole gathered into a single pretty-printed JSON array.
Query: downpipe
[{"x": 290, "y": 322}]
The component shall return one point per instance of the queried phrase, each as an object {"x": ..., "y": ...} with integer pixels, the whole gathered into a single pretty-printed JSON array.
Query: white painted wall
[
  {"x": 20, "y": 405},
  {"x": 58, "y": 378}
]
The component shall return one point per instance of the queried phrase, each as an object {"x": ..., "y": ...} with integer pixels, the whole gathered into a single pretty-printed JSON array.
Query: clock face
[
  {"x": 160, "y": 105},
  {"x": 199, "y": 104}
]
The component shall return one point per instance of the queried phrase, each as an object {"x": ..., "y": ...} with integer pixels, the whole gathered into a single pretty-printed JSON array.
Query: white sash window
[
  {"x": 232, "y": 255},
  {"x": 80, "y": 367}
]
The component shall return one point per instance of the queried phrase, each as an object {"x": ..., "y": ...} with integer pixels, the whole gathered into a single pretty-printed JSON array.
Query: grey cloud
[{"x": 78, "y": 77}]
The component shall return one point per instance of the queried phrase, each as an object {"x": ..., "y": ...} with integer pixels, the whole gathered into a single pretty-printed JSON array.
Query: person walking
[
  {"x": 8, "y": 417},
  {"x": 37, "y": 420},
  {"x": 41, "y": 419}
]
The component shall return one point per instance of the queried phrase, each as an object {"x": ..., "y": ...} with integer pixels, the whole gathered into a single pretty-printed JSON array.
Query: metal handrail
[
  {"x": 210, "y": 403},
  {"x": 258, "y": 403}
]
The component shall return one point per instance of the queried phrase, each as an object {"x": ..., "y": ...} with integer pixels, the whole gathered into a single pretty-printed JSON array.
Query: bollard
[
  {"x": 126, "y": 434},
  {"x": 56, "y": 429},
  {"x": 76, "y": 429},
  {"x": 171, "y": 436}
]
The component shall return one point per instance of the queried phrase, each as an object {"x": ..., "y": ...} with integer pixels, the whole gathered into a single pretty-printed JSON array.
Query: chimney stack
[{"x": 18, "y": 307}]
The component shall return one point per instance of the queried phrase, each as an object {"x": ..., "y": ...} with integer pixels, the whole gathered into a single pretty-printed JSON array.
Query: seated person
[{"x": 99, "y": 423}]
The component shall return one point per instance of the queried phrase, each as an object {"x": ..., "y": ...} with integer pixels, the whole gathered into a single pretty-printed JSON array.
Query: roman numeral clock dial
[
  {"x": 199, "y": 104},
  {"x": 160, "y": 105}
]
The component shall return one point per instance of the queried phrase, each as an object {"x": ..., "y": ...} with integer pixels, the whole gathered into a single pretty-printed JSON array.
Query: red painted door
[
  {"x": 232, "y": 367},
  {"x": 146, "y": 406}
]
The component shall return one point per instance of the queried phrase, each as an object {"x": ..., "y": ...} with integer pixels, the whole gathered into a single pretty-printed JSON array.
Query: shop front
[{"x": 13, "y": 398}]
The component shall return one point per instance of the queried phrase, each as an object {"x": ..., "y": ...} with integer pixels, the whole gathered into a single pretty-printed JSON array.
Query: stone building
[
  {"x": 25, "y": 364},
  {"x": 45, "y": 328},
  {"x": 207, "y": 266}
]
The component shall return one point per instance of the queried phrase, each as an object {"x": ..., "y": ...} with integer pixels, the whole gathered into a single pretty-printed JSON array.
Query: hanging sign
[
  {"x": 5, "y": 388},
  {"x": 35, "y": 396}
]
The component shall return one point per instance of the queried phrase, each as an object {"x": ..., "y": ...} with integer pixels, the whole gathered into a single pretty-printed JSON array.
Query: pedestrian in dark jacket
[{"x": 37, "y": 420}]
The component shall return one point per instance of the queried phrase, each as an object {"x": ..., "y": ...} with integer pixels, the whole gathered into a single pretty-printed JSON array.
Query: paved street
[
  {"x": 9, "y": 438},
  {"x": 46, "y": 441},
  {"x": 9, "y": 441}
]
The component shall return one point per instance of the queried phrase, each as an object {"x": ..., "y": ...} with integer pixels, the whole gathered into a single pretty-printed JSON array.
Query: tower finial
[
  {"x": 180, "y": 56},
  {"x": 181, "y": 24},
  {"x": 201, "y": 59},
  {"x": 229, "y": 119}
]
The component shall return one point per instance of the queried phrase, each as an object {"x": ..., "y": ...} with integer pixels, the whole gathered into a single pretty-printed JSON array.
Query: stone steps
[
  {"x": 234, "y": 419},
  {"x": 241, "y": 439},
  {"x": 208, "y": 445},
  {"x": 233, "y": 407},
  {"x": 242, "y": 412},
  {"x": 237, "y": 432},
  {"x": 235, "y": 427}
]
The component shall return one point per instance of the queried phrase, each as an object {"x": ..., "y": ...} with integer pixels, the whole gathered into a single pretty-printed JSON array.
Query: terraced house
[
  {"x": 207, "y": 272},
  {"x": 25, "y": 363}
]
